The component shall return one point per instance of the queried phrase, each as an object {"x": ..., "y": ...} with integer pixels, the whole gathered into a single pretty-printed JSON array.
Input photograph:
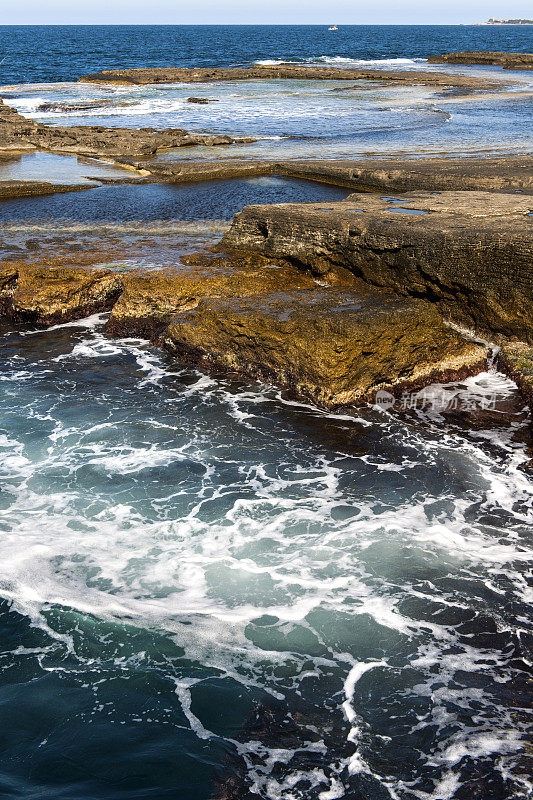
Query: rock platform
[
  {"x": 332, "y": 343},
  {"x": 469, "y": 253},
  {"x": 157, "y": 75},
  {"x": 19, "y": 134},
  {"x": 495, "y": 58}
]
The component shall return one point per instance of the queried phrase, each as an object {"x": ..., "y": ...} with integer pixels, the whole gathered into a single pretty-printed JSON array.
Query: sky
[{"x": 303, "y": 12}]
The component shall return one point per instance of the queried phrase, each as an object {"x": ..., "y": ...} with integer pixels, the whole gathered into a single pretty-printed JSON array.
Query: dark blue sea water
[
  {"x": 209, "y": 591},
  {"x": 36, "y": 54}
]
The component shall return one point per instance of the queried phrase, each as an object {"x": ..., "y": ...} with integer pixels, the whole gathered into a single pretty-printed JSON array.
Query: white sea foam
[
  {"x": 169, "y": 502},
  {"x": 93, "y": 321},
  {"x": 345, "y": 61}
]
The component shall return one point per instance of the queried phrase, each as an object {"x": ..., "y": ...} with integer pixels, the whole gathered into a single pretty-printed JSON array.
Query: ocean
[{"x": 211, "y": 590}]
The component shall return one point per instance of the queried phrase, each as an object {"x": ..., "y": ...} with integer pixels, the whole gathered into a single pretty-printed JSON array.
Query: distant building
[{"x": 492, "y": 21}]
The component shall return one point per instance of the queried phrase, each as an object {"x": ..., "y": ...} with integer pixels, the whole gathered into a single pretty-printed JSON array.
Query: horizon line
[{"x": 253, "y": 24}]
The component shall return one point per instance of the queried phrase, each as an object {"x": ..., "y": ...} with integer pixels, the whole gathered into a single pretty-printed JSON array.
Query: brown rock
[
  {"x": 48, "y": 295},
  {"x": 516, "y": 360},
  {"x": 471, "y": 253},
  {"x": 8, "y": 282},
  {"x": 155, "y": 75},
  {"x": 495, "y": 174},
  {"x": 505, "y": 60},
  {"x": 331, "y": 346},
  {"x": 10, "y": 190},
  {"x": 18, "y": 134},
  {"x": 150, "y": 301}
]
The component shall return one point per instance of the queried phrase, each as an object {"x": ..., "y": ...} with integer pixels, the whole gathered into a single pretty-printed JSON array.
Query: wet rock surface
[
  {"x": 499, "y": 59},
  {"x": 154, "y": 75},
  {"x": 332, "y": 346},
  {"x": 334, "y": 343},
  {"x": 49, "y": 295},
  {"x": 18, "y": 134},
  {"x": 507, "y": 174},
  {"x": 470, "y": 253},
  {"x": 10, "y": 190},
  {"x": 150, "y": 301},
  {"x": 516, "y": 359}
]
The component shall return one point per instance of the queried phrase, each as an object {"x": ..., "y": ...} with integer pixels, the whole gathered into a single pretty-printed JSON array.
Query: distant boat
[{"x": 333, "y": 28}]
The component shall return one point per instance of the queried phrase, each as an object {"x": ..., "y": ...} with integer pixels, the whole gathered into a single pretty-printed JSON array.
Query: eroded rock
[
  {"x": 154, "y": 75},
  {"x": 499, "y": 59},
  {"x": 471, "y": 253},
  {"x": 10, "y": 190},
  {"x": 18, "y": 134},
  {"x": 329, "y": 345},
  {"x": 150, "y": 301},
  {"x": 516, "y": 360},
  {"x": 48, "y": 295}
]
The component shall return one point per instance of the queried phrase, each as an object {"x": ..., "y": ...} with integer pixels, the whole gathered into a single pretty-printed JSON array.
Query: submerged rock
[
  {"x": 470, "y": 253},
  {"x": 87, "y": 105}
]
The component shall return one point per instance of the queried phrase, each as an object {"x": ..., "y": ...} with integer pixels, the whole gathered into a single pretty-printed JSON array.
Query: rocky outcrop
[
  {"x": 505, "y": 60},
  {"x": 332, "y": 346},
  {"x": 18, "y": 134},
  {"x": 49, "y": 295},
  {"x": 204, "y": 170},
  {"x": 516, "y": 359},
  {"x": 334, "y": 343},
  {"x": 470, "y": 253},
  {"x": 507, "y": 174},
  {"x": 84, "y": 105},
  {"x": 149, "y": 301},
  {"x": 10, "y": 190},
  {"x": 155, "y": 75},
  {"x": 8, "y": 283},
  {"x": 201, "y": 100}
]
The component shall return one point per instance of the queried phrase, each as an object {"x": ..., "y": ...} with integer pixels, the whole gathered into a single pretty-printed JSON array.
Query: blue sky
[{"x": 247, "y": 11}]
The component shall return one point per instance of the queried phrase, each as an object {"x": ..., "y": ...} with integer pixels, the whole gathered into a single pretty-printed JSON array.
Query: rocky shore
[
  {"x": 334, "y": 341},
  {"x": 156, "y": 75},
  {"x": 505, "y": 60},
  {"x": 19, "y": 134},
  {"x": 332, "y": 301},
  {"x": 9, "y": 190},
  {"x": 469, "y": 253},
  {"x": 506, "y": 174}
]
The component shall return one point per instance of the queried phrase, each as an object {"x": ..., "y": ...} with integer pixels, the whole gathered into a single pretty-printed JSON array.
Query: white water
[{"x": 343, "y": 552}]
